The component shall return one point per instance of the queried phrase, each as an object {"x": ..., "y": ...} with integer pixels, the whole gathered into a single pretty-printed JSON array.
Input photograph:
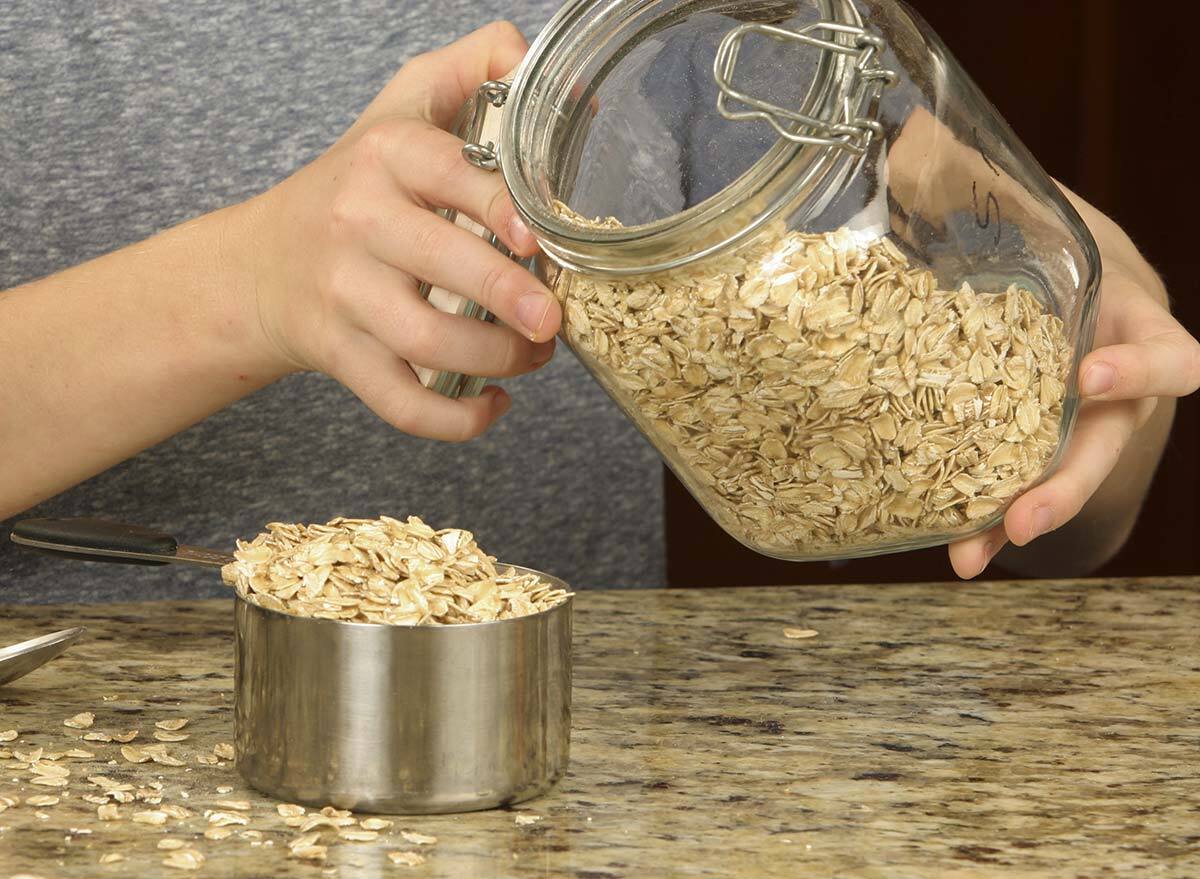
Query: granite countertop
[{"x": 991, "y": 729}]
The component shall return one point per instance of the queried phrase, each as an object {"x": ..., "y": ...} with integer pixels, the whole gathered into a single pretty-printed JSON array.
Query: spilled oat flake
[
  {"x": 820, "y": 394},
  {"x": 382, "y": 571}
]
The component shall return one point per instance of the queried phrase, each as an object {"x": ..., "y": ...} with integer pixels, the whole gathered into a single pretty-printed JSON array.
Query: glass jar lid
[{"x": 691, "y": 123}]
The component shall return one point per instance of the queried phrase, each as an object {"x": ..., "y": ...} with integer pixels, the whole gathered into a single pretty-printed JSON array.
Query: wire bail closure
[
  {"x": 484, "y": 155},
  {"x": 852, "y": 132}
]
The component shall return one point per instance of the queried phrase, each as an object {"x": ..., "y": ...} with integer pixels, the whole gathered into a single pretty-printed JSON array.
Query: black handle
[{"x": 87, "y": 533}]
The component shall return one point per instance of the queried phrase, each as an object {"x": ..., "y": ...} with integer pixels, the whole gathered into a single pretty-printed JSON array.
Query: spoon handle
[{"x": 101, "y": 540}]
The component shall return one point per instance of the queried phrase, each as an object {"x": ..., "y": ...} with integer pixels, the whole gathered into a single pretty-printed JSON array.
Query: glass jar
[{"x": 804, "y": 254}]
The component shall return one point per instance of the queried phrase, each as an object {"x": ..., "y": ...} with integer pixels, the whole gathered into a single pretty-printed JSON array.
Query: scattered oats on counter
[
  {"x": 408, "y": 859},
  {"x": 83, "y": 720},
  {"x": 418, "y": 838},
  {"x": 184, "y": 859},
  {"x": 183, "y": 837},
  {"x": 358, "y": 835},
  {"x": 800, "y": 633},
  {"x": 382, "y": 571},
  {"x": 152, "y": 816},
  {"x": 822, "y": 394}
]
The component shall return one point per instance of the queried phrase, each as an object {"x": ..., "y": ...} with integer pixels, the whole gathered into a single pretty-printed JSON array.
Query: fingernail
[
  {"x": 518, "y": 232},
  {"x": 1099, "y": 379},
  {"x": 531, "y": 312},
  {"x": 1041, "y": 521}
]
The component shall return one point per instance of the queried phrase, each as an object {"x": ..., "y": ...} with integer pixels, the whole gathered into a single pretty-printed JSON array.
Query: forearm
[{"x": 108, "y": 358}]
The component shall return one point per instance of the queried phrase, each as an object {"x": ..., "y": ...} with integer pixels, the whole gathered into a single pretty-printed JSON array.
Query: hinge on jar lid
[
  {"x": 851, "y": 132},
  {"x": 478, "y": 122},
  {"x": 483, "y": 155}
]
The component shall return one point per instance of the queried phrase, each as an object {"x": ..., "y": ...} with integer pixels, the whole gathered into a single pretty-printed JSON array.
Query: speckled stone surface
[{"x": 1016, "y": 730}]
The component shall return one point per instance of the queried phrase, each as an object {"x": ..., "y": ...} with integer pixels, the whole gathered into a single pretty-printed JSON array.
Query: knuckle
[
  {"x": 500, "y": 283},
  {"x": 345, "y": 211},
  {"x": 396, "y": 326},
  {"x": 503, "y": 29},
  {"x": 428, "y": 338},
  {"x": 402, "y": 411},
  {"x": 472, "y": 425},
  {"x": 1192, "y": 363},
  {"x": 445, "y": 165},
  {"x": 496, "y": 213},
  {"x": 426, "y": 239},
  {"x": 1073, "y": 496},
  {"x": 417, "y": 64},
  {"x": 339, "y": 284},
  {"x": 372, "y": 144}
]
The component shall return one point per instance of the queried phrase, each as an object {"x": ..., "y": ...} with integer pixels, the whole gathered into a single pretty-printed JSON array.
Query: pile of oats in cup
[{"x": 382, "y": 571}]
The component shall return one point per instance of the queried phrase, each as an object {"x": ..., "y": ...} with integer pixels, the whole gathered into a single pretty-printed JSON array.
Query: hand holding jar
[
  {"x": 1142, "y": 360},
  {"x": 345, "y": 243}
]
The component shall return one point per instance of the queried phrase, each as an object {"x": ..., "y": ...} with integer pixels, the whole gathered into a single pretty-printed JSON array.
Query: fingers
[
  {"x": 443, "y": 179},
  {"x": 970, "y": 557},
  {"x": 387, "y": 384},
  {"x": 1166, "y": 364},
  {"x": 462, "y": 344},
  {"x": 435, "y": 250},
  {"x": 1101, "y": 434},
  {"x": 382, "y": 301}
]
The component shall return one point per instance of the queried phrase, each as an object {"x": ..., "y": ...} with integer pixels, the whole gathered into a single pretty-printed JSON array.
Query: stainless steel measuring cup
[{"x": 376, "y": 718}]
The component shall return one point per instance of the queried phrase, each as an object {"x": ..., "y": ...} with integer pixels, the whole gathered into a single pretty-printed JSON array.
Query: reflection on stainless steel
[
  {"x": 19, "y": 660},
  {"x": 403, "y": 719}
]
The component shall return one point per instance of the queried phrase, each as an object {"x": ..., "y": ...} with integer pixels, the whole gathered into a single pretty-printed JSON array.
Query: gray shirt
[{"x": 123, "y": 118}]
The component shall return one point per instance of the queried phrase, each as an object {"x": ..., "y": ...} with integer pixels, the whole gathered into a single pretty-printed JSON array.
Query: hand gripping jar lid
[{"x": 805, "y": 255}]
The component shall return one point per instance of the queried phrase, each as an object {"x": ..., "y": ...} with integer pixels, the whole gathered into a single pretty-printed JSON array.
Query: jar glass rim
[{"x": 574, "y": 37}]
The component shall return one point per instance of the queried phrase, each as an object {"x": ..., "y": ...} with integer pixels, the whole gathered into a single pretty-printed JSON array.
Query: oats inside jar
[{"x": 821, "y": 395}]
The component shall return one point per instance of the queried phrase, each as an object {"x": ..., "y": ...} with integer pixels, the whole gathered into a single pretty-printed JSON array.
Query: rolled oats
[
  {"x": 382, "y": 571},
  {"x": 822, "y": 395},
  {"x": 83, "y": 720},
  {"x": 153, "y": 816},
  {"x": 184, "y": 859},
  {"x": 407, "y": 859},
  {"x": 800, "y": 633},
  {"x": 418, "y": 838}
]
